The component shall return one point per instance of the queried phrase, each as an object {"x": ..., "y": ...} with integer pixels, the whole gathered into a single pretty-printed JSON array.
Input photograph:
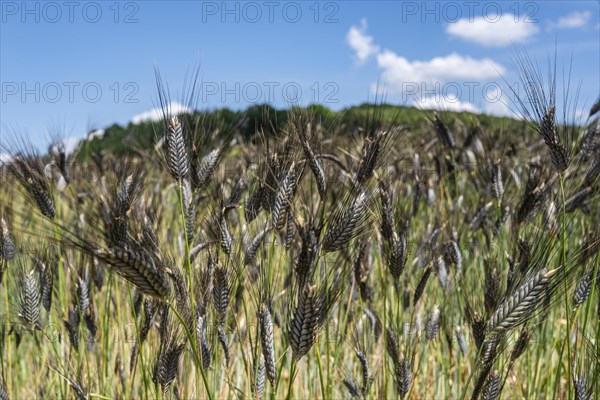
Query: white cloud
[
  {"x": 577, "y": 19},
  {"x": 69, "y": 143},
  {"x": 494, "y": 31},
  {"x": 5, "y": 158},
  {"x": 451, "y": 82},
  {"x": 361, "y": 43},
  {"x": 156, "y": 114},
  {"x": 399, "y": 71},
  {"x": 496, "y": 100},
  {"x": 499, "y": 108},
  {"x": 449, "y": 103},
  {"x": 95, "y": 133}
]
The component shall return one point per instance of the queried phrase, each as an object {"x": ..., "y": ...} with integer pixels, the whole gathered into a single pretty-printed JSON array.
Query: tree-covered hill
[{"x": 266, "y": 119}]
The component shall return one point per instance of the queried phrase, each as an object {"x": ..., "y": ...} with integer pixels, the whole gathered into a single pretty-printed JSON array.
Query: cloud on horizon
[
  {"x": 448, "y": 103},
  {"x": 5, "y": 158},
  {"x": 156, "y": 114}
]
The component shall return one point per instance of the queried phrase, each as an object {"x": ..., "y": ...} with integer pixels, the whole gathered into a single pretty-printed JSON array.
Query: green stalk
[
  {"x": 586, "y": 315},
  {"x": 192, "y": 340},
  {"x": 188, "y": 266},
  {"x": 9, "y": 358},
  {"x": 591, "y": 296},
  {"x": 321, "y": 379},
  {"x": 139, "y": 348},
  {"x": 478, "y": 355},
  {"x": 290, "y": 393},
  {"x": 385, "y": 296},
  {"x": 566, "y": 296}
]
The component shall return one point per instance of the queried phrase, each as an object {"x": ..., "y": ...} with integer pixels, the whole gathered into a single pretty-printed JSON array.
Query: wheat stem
[{"x": 320, "y": 368}]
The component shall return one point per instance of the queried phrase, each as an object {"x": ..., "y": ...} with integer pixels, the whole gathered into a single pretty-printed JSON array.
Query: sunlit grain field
[{"x": 374, "y": 260}]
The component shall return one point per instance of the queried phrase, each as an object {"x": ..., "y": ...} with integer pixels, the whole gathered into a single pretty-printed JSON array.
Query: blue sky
[{"x": 73, "y": 66}]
